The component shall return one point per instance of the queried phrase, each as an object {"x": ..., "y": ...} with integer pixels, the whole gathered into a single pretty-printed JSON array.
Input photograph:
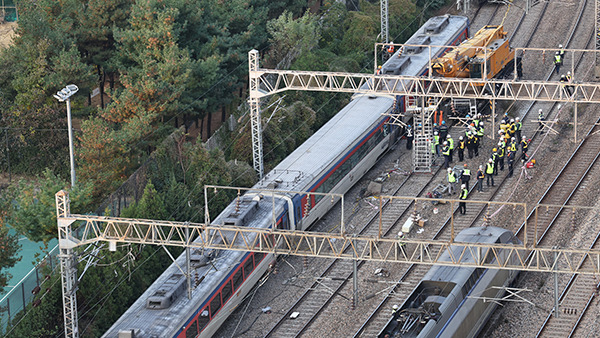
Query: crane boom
[{"x": 489, "y": 45}]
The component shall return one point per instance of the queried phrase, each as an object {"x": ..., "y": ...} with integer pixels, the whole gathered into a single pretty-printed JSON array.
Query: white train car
[{"x": 330, "y": 161}]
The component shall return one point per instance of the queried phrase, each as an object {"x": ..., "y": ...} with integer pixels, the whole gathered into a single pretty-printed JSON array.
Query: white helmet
[
  {"x": 445, "y": 143},
  {"x": 517, "y": 118},
  {"x": 539, "y": 111},
  {"x": 512, "y": 120},
  {"x": 512, "y": 138},
  {"x": 449, "y": 169},
  {"x": 559, "y": 46},
  {"x": 400, "y": 234},
  {"x": 395, "y": 307},
  {"x": 435, "y": 133},
  {"x": 460, "y": 138},
  {"x": 569, "y": 73},
  {"x": 499, "y": 144},
  {"x": 463, "y": 186},
  {"x": 448, "y": 136},
  {"x": 502, "y": 122}
]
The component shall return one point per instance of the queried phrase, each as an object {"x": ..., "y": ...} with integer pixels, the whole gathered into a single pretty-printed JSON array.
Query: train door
[{"x": 299, "y": 202}]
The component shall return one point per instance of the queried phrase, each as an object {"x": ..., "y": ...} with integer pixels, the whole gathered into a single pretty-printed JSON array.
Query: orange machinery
[{"x": 488, "y": 52}]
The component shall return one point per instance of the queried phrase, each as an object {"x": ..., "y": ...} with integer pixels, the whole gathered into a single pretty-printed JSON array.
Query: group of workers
[
  {"x": 567, "y": 79},
  {"x": 443, "y": 144},
  {"x": 510, "y": 141}
]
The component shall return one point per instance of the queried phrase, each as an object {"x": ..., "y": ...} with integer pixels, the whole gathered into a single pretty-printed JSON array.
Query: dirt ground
[{"x": 7, "y": 31}]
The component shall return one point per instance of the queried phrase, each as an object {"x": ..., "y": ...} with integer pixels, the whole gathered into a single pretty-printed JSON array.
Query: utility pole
[
  {"x": 384, "y": 21},
  {"x": 257, "y": 155}
]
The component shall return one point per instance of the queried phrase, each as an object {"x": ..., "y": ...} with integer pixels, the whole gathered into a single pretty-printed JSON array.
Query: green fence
[{"x": 24, "y": 291}]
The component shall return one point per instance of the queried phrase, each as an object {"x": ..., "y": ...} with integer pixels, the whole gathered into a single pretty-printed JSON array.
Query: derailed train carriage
[
  {"x": 330, "y": 161},
  {"x": 446, "y": 302}
]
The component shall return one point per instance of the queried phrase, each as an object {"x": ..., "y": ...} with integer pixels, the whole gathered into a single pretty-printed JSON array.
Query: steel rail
[
  {"x": 477, "y": 217},
  {"x": 330, "y": 267}
]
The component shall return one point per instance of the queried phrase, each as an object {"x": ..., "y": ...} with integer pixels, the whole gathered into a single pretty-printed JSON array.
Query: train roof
[
  {"x": 469, "y": 235},
  {"x": 437, "y": 31},
  {"x": 326, "y": 145},
  {"x": 213, "y": 264}
]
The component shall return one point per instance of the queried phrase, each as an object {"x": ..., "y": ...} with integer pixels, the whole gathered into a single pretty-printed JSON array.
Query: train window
[
  {"x": 237, "y": 279},
  {"x": 248, "y": 267},
  {"x": 192, "y": 330},
  {"x": 203, "y": 319},
  {"x": 226, "y": 292},
  {"x": 349, "y": 164},
  {"x": 475, "y": 70},
  {"x": 215, "y": 305},
  {"x": 284, "y": 222},
  {"x": 258, "y": 257}
]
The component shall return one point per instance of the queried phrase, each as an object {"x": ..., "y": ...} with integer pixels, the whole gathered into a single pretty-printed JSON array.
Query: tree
[
  {"x": 95, "y": 21},
  {"x": 30, "y": 207},
  {"x": 292, "y": 37},
  {"x": 154, "y": 74},
  {"x": 42, "y": 60},
  {"x": 150, "y": 206}
]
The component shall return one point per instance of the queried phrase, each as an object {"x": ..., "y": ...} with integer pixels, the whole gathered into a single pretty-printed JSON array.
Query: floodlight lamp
[{"x": 65, "y": 93}]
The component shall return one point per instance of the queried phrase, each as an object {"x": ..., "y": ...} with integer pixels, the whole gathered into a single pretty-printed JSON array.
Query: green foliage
[
  {"x": 150, "y": 206},
  {"x": 9, "y": 248},
  {"x": 180, "y": 171},
  {"x": 292, "y": 37},
  {"x": 44, "y": 320},
  {"x": 30, "y": 207}
]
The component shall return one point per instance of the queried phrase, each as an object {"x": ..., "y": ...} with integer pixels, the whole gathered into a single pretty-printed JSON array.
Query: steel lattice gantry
[
  {"x": 92, "y": 229},
  {"x": 80, "y": 230},
  {"x": 276, "y": 81},
  {"x": 68, "y": 263},
  {"x": 265, "y": 82}
]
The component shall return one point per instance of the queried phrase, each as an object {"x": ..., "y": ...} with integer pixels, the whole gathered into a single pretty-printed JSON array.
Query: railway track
[
  {"x": 581, "y": 289},
  {"x": 331, "y": 282},
  {"x": 379, "y": 317},
  {"x": 335, "y": 276}
]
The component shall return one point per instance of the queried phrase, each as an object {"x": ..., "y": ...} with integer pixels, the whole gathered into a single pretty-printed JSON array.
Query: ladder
[
  {"x": 472, "y": 107},
  {"x": 423, "y": 137},
  {"x": 471, "y": 103}
]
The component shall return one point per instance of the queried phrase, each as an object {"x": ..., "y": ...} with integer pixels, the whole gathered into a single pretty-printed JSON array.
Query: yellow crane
[{"x": 488, "y": 52}]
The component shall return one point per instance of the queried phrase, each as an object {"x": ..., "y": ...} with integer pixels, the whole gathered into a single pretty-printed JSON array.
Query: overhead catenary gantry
[
  {"x": 265, "y": 82},
  {"x": 79, "y": 230},
  {"x": 92, "y": 229}
]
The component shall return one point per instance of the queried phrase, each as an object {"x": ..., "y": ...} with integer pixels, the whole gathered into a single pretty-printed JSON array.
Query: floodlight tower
[{"x": 62, "y": 96}]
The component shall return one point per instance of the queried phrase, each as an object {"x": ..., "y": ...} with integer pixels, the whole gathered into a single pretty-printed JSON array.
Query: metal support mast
[
  {"x": 257, "y": 151},
  {"x": 384, "y": 21},
  {"x": 68, "y": 264}
]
